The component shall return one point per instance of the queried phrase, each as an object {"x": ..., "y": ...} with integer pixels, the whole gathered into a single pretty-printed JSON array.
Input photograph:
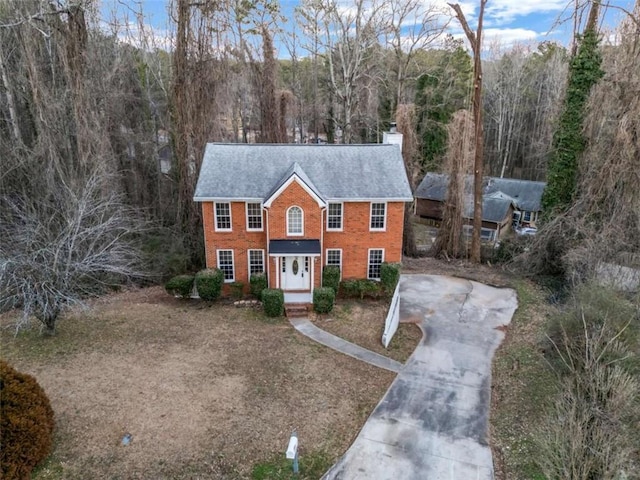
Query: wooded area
[{"x": 84, "y": 98}]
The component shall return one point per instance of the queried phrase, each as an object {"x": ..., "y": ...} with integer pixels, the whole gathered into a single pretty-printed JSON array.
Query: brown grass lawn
[
  {"x": 362, "y": 323},
  {"x": 206, "y": 391}
]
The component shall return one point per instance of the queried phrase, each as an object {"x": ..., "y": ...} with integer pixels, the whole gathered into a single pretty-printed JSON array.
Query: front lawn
[{"x": 205, "y": 390}]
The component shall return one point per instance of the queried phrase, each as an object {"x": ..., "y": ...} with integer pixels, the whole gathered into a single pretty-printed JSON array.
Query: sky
[{"x": 506, "y": 22}]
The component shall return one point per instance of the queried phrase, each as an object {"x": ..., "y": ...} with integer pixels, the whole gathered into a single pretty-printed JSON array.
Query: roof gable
[
  {"x": 295, "y": 174},
  {"x": 332, "y": 172}
]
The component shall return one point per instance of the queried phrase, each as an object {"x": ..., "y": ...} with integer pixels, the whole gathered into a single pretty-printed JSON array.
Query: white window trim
[
  {"x": 326, "y": 259},
  {"x": 264, "y": 265},
  {"x": 369, "y": 262},
  {"x": 301, "y": 234},
  {"x": 215, "y": 218},
  {"x": 246, "y": 211},
  {"x": 341, "y": 218},
  {"x": 233, "y": 263},
  {"x": 386, "y": 210}
]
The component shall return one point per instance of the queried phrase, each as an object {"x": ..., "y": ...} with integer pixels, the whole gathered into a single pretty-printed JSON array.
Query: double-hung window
[
  {"x": 254, "y": 217},
  {"x": 223, "y": 216},
  {"x": 378, "y": 216},
  {"x": 256, "y": 262},
  {"x": 334, "y": 216},
  {"x": 376, "y": 257},
  {"x": 334, "y": 257},
  {"x": 225, "y": 263}
]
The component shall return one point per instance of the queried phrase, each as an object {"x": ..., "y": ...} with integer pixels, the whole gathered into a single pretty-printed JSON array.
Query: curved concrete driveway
[{"x": 432, "y": 422}]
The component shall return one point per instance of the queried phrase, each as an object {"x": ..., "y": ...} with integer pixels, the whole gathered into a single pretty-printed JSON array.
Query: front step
[{"x": 296, "y": 310}]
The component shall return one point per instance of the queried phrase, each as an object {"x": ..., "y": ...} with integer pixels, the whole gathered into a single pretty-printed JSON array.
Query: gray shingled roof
[
  {"x": 526, "y": 194},
  {"x": 337, "y": 172}
]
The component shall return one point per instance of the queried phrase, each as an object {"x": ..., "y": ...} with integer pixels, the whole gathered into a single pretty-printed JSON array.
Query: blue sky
[{"x": 506, "y": 21}]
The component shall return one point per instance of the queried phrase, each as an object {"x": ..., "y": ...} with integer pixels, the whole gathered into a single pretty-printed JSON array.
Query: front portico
[{"x": 295, "y": 267}]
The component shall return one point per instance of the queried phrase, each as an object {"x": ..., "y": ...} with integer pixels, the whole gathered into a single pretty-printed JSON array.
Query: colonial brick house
[{"x": 289, "y": 210}]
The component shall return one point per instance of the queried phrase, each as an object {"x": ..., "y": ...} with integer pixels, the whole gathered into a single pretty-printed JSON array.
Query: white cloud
[
  {"x": 503, "y": 36},
  {"x": 508, "y": 36},
  {"x": 505, "y": 11}
]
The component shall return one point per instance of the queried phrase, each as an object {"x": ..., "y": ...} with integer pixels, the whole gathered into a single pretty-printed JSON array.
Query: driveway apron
[{"x": 433, "y": 421}]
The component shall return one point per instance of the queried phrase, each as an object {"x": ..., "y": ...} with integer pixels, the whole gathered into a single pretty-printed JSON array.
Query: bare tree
[
  {"x": 76, "y": 243},
  {"x": 475, "y": 39},
  {"x": 460, "y": 148},
  {"x": 351, "y": 31},
  {"x": 406, "y": 120},
  {"x": 412, "y": 26}
]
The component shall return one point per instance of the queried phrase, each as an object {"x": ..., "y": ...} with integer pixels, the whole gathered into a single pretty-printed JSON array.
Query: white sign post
[{"x": 292, "y": 451}]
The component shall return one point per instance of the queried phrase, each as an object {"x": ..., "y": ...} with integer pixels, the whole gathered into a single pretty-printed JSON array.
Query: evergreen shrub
[
  {"x": 273, "y": 302},
  {"x": 209, "y": 283},
  {"x": 389, "y": 276},
  {"x": 258, "y": 282},
  {"x": 180, "y": 285},
  {"x": 323, "y": 299},
  {"x": 331, "y": 277},
  {"x": 26, "y": 423}
]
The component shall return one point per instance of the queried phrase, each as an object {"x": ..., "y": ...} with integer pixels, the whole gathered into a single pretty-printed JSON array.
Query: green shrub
[
  {"x": 273, "y": 302},
  {"x": 180, "y": 285},
  {"x": 258, "y": 282},
  {"x": 209, "y": 283},
  {"x": 323, "y": 299},
  {"x": 361, "y": 288},
  {"x": 331, "y": 277},
  {"x": 26, "y": 423},
  {"x": 389, "y": 276},
  {"x": 237, "y": 290}
]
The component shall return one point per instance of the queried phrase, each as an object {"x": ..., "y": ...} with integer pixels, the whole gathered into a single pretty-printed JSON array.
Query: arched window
[{"x": 295, "y": 221}]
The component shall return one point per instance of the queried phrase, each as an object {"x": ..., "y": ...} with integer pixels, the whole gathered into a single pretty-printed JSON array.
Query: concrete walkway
[
  {"x": 432, "y": 422},
  {"x": 308, "y": 329}
]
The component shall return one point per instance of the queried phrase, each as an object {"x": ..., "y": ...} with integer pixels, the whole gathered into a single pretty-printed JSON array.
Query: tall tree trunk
[
  {"x": 13, "y": 115},
  {"x": 475, "y": 39}
]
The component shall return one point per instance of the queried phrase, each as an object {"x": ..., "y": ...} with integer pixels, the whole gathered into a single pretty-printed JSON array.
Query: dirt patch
[
  {"x": 483, "y": 273},
  {"x": 362, "y": 323},
  {"x": 206, "y": 391}
]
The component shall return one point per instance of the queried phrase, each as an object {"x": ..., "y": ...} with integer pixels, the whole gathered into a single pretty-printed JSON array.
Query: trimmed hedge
[
  {"x": 323, "y": 299},
  {"x": 331, "y": 277},
  {"x": 361, "y": 288},
  {"x": 237, "y": 290},
  {"x": 273, "y": 302},
  {"x": 26, "y": 423},
  {"x": 180, "y": 285},
  {"x": 257, "y": 283},
  {"x": 389, "y": 276},
  {"x": 209, "y": 283}
]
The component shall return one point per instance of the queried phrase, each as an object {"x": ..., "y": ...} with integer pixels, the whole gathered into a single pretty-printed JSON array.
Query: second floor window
[
  {"x": 378, "y": 215},
  {"x": 254, "y": 216},
  {"x": 223, "y": 216},
  {"x": 295, "y": 221},
  {"x": 334, "y": 216}
]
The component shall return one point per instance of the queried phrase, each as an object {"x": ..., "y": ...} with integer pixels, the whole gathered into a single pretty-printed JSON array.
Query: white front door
[{"x": 295, "y": 273}]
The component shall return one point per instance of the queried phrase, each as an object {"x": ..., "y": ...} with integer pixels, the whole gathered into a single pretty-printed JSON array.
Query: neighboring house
[
  {"x": 289, "y": 210},
  {"x": 506, "y": 202}
]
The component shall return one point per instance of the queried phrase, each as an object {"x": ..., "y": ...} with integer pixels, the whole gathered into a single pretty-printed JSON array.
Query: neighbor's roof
[
  {"x": 336, "y": 172},
  {"x": 525, "y": 194}
]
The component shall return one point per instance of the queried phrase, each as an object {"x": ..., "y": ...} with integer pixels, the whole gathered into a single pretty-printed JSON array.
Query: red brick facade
[{"x": 354, "y": 240}]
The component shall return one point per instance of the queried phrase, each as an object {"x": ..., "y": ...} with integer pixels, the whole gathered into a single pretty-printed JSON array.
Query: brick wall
[{"x": 355, "y": 239}]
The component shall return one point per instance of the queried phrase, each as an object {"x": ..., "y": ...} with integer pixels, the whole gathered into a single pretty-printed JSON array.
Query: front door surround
[{"x": 295, "y": 272}]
